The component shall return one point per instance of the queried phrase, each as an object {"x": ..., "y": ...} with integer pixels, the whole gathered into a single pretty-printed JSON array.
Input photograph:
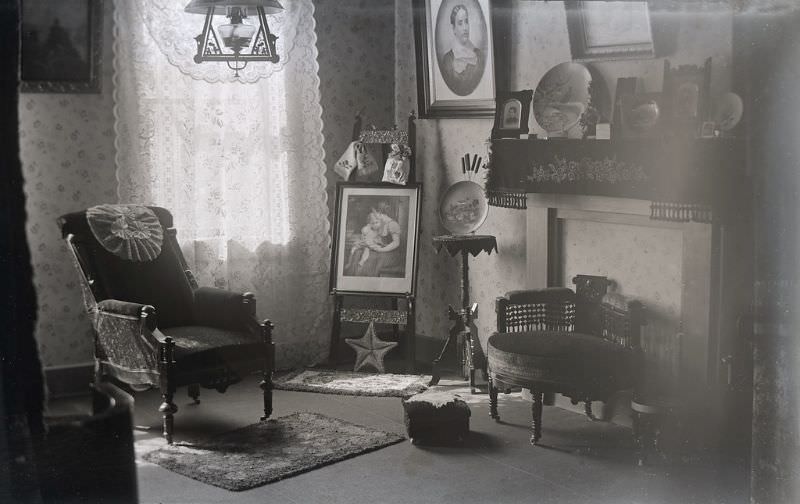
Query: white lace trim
[
  {"x": 174, "y": 30},
  {"x": 174, "y": 133}
]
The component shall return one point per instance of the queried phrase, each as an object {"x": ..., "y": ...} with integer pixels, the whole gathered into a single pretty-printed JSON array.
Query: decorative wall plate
[
  {"x": 463, "y": 207},
  {"x": 564, "y": 94},
  {"x": 728, "y": 111}
]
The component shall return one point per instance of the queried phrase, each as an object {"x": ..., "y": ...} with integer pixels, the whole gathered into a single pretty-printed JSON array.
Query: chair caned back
[
  {"x": 583, "y": 310},
  {"x": 551, "y": 309}
]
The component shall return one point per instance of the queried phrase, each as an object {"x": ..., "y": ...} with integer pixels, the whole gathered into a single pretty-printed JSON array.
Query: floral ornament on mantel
[
  {"x": 130, "y": 232},
  {"x": 174, "y": 32}
]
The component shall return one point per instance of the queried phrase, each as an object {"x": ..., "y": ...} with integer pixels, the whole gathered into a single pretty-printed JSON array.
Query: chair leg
[
  {"x": 536, "y": 421},
  {"x": 194, "y": 392},
  {"x": 168, "y": 410},
  {"x": 98, "y": 372},
  {"x": 269, "y": 365},
  {"x": 266, "y": 390},
  {"x": 493, "y": 399},
  {"x": 638, "y": 438},
  {"x": 166, "y": 366},
  {"x": 587, "y": 408},
  {"x": 472, "y": 386}
]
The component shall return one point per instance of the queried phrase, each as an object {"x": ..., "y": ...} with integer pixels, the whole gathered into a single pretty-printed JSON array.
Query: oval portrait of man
[{"x": 461, "y": 44}]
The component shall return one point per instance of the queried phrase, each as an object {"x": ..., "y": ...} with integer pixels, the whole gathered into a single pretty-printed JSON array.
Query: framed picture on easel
[{"x": 375, "y": 239}]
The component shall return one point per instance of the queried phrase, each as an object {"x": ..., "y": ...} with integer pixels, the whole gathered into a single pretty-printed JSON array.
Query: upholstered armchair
[
  {"x": 580, "y": 343},
  {"x": 153, "y": 325}
]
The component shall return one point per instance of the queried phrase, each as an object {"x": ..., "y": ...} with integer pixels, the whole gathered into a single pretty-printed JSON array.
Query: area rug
[
  {"x": 348, "y": 383},
  {"x": 269, "y": 451}
]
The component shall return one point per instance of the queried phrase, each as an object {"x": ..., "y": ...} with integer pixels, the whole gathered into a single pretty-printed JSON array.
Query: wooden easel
[{"x": 396, "y": 315}]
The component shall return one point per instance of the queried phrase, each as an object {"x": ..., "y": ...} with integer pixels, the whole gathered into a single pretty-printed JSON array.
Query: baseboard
[{"x": 68, "y": 380}]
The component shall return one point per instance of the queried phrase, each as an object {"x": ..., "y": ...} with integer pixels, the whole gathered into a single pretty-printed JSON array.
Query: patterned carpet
[
  {"x": 269, "y": 451},
  {"x": 349, "y": 383}
]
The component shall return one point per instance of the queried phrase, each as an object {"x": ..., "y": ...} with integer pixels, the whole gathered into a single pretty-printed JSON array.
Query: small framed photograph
[
  {"x": 609, "y": 30},
  {"x": 61, "y": 46},
  {"x": 375, "y": 239},
  {"x": 455, "y": 58},
  {"x": 708, "y": 129},
  {"x": 511, "y": 114},
  {"x": 686, "y": 90}
]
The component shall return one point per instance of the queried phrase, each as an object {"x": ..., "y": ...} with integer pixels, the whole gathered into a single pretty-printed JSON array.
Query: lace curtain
[{"x": 239, "y": 165}]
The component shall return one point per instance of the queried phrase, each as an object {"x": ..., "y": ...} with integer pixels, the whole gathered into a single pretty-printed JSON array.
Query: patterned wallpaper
[
  {"x": 67, "y": 152},
  {"x": 355, "y": 40},
  {"x": 540, "y": 41},
  {"x": 652, "y": 273},
  {"x": 405, "y": 69},
  {"x": 365, "y": 62},
  {"x": 440, "y": 145}
]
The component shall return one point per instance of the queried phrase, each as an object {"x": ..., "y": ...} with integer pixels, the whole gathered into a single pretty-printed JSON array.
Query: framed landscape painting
[
  {"x": 61, "y": 46},
  {"x": 455, "y": 58},
  {"x": 609, "y": 30},
  {"x": 375, "y": 239}
]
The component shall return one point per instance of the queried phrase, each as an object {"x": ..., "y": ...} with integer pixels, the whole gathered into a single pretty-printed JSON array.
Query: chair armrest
[
  {"x": 126, "y": 338},
  {"x": 224, "y": 309},
  {"x": 534, "y": 296},
  {"x": 115, "y": 307}
]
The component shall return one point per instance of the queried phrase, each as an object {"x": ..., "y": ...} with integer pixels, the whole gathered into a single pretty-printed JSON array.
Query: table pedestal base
[{"x": 467, "y": 348}]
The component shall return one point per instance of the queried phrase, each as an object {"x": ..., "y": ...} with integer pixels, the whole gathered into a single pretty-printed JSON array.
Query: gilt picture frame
[
  {"x": 61, "y": 46},
  {"x": 375, "y": 239},
  {"x": 455, "y": 51},
  {"x": 613, "y": 30}
]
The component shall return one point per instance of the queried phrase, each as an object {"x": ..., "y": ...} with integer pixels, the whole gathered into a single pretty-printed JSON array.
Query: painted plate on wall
[
  {"x": 463, "y": 207},
  {"x": 562, "y": 96}
]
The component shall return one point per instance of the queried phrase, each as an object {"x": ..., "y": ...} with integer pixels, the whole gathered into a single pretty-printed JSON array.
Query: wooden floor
[{"x": 578, "y": 461}]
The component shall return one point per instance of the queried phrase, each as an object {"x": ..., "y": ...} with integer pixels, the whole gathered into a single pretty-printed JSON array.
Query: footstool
[{"x": 436, "y": 417}]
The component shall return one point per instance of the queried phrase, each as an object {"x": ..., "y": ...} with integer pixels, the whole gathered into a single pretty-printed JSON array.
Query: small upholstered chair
[
  {"x": 153, "y": 326},
  {"x": 556, "y": 340}
]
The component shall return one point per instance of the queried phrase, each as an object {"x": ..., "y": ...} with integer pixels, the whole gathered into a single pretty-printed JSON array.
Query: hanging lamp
[{"x": 242, "y": 40}]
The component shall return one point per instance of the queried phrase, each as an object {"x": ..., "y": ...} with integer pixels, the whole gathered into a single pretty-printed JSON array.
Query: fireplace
[{"x": 692, "y": 278}]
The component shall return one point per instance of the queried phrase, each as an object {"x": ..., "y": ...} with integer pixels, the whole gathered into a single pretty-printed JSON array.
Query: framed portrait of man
[
  {"x": 455, "y": 57},
  {"x": 375, "y": 239}
]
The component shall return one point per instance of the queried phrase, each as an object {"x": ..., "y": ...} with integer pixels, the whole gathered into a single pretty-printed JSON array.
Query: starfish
[{"x": 370, "y": 349}]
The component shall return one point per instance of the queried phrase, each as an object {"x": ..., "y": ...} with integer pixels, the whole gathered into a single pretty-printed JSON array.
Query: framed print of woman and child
[{"x": 375, "y": 239}]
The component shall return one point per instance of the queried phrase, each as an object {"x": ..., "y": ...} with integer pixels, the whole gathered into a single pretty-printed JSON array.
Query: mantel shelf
[{"x": 691, "y": 172}]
